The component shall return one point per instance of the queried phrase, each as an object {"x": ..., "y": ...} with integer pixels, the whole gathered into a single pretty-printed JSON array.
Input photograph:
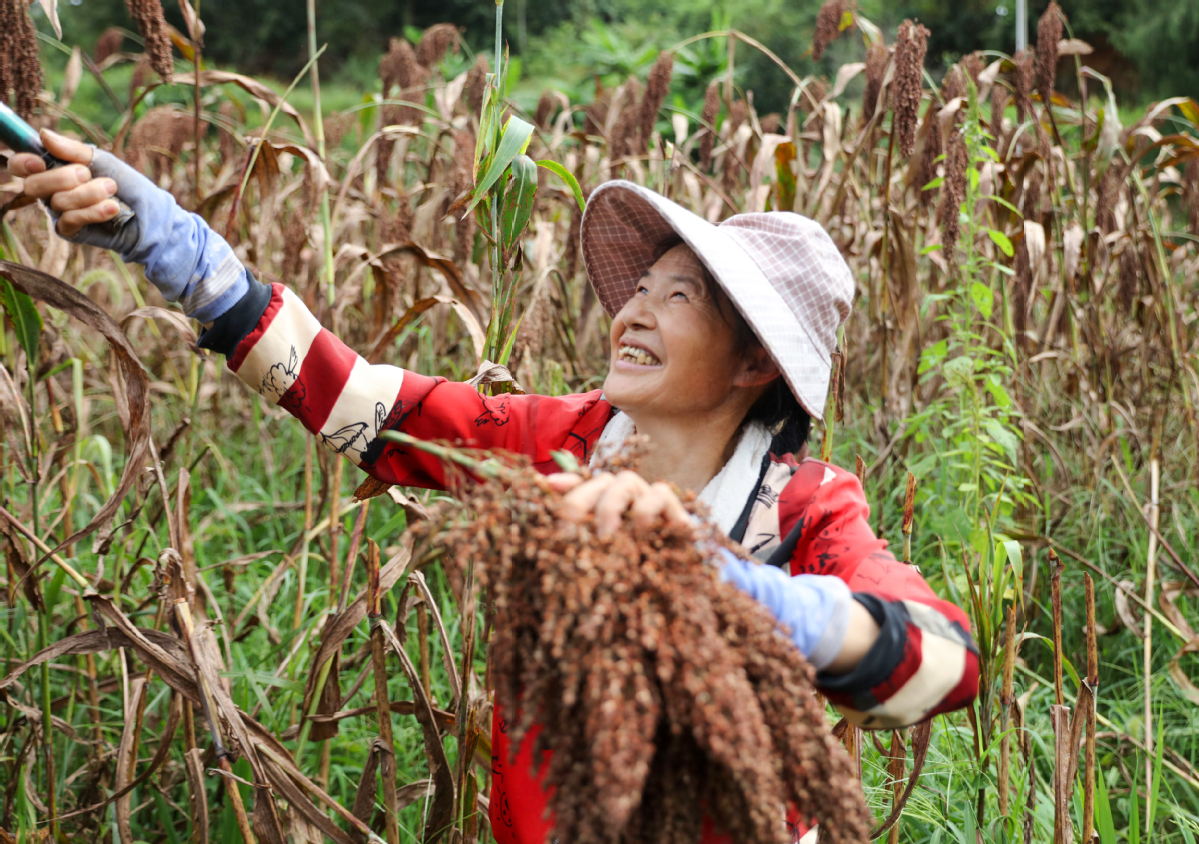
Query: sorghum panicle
[
  {"x": 1049, "y": 32},
  {"x": 657, "y": 86},
  {"x": 910, "y": 48},
  {"x": 153, "y": 28}
]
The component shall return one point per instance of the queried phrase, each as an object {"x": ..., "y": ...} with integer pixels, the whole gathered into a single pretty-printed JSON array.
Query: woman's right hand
[
  {"x": 72, "y": 192},
  {"x": 610, "y": 496},
  {"x": 186, "y": 260}
]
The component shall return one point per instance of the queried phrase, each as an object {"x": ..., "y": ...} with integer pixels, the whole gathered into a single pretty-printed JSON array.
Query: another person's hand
[
  {"x": 73, "y": 193},
  {"x": 610, "y": 496},
  {"x": 186, "y": 260}
]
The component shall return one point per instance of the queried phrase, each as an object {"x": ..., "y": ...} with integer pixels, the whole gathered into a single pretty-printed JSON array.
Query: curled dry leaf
[
  {"x": 339, "y": 627},
  {"x": 61, "y": 296},
  {"x": 442, "y": 809},
  {"x": 494, "y": 373},
  {"x": 254, "y": 88},
  {"x": 175, "y": 319},
  {"x": 470, "y": 321}
]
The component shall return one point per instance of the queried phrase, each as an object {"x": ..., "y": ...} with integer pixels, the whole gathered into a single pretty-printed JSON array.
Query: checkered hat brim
[{"x": 781, "y": 270}]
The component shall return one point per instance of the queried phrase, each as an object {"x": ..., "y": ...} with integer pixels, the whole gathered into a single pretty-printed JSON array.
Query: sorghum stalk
[{"x": 387, "y": 766}]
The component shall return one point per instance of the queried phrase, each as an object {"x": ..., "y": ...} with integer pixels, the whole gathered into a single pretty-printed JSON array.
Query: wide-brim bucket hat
[{"x": 781, "y": 271}]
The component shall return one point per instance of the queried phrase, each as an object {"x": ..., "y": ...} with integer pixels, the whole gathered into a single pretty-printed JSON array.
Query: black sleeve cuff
[
  {"x": 231, "y": 327},
  {"x": 880, "y": 661}
]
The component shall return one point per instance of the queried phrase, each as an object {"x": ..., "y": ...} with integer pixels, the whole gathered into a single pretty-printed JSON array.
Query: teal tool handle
[{"x": 19, "y": 136}]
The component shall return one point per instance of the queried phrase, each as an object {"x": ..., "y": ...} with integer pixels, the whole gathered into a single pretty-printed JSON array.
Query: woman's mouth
[{"x": 637, "y": 355}]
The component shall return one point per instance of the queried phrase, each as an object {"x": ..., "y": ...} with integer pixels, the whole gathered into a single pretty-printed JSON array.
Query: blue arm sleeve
[{"x": 814, "y": 608}]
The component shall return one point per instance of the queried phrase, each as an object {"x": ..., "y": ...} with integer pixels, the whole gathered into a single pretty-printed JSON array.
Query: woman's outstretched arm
[{"x": 274, "y": 343}]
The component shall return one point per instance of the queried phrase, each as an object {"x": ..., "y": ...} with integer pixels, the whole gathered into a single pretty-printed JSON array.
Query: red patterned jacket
[{"x": 808, "y": 516}]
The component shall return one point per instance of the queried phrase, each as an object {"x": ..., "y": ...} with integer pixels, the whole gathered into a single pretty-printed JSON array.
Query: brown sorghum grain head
[
  {"x": 137, "y": 79},
  {"x": 389, "y": 115},
  {"x": 1190, "y": 192},
  {"x": 1106, "y": 192},
  {"x": 398, "y": 67},
  {"x": 20, "y": 69},
  {"x": 665, "y": 695},
  {"x": 1023, "y": 74},
  {"x": 1023, "y": 286},
  {"x": 435, "y": 42},
  {"x": 476, "y": 84},
  {"x": 462, "y": 174},
  {"x": 973, "y": 65},
  {"x": 153, "y": 28},
  {"x": 1130, "y": 277},
  {"x": 998, "y": 104},
  {"x": 108, "y": 44},
  {"x": 158, "y": 138},
  {"x": 771, "y": 123},
  {"x": 595, "y": 115},
  {"x": 622, "y": 139},
  {"x": 657, "y": 86},
  {"x": 910, "y": 48},
  {"x": 1032, "y": 196},
  {"x": 929, "y": 155},
  {"x": 876, "y": 65},
  {"x": 828, "y": 25},
  {"x": 545, "y": 110},
  {"x": 954, "y": 84},
  {"x": 1049, "y": 32},
  {"x": 738, "y": 114},
  {"x": 953, "y": 189},
  {"x": 570, "y": 255},
  {"x": 708, "y": 121}
]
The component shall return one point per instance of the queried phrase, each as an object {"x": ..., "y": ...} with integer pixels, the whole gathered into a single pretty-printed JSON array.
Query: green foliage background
[{"x": 1150, "y": 48}]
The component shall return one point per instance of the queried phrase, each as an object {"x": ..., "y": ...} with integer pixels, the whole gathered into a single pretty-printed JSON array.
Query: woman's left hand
[{"x": 609, "y": 496}]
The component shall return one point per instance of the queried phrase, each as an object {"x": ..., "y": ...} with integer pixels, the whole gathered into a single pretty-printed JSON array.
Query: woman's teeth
[{"x": 633, "y": 354}]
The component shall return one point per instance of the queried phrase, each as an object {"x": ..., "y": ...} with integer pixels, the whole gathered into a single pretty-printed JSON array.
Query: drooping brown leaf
[
  {"x": 61, "y": 296},
  {"x": 442, "y": 809}
]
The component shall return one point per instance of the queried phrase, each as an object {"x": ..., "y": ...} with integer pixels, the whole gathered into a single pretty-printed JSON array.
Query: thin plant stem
[
  {"x": 319, "y": 129},
  {"x": 1150, "y": 576}
]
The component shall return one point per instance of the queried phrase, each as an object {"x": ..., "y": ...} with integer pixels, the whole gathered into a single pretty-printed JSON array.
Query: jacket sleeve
[
  {"x": 925, "y": 661},
  {"x": 345, "y": 402}
]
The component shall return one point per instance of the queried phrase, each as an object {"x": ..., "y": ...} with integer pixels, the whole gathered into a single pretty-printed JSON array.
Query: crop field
[{"x": 186, "y": 592}]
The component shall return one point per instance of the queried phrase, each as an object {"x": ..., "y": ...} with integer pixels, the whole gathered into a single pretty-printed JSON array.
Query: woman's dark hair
[{"x": 777, "y": 408}]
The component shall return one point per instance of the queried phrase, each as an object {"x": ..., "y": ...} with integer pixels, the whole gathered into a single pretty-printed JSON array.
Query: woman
[{"x": 721, "y": 347}]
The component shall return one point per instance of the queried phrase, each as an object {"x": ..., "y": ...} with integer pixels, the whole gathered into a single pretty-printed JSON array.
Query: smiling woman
[{"x": 722, "y": 339}]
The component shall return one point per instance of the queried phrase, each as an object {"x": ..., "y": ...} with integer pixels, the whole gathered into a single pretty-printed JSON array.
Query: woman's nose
[{"x": 640, "y": 312}]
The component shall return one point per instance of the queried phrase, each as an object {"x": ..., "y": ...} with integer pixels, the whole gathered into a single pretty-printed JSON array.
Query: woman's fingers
[
  {"x": 627, "y": 488},
  {"x": 45, "y": 184},
  {"x": 581, "y": 500},
  {"x": 564, "y": 481},
  {"x": 84, "y": 196},
  {"x": 659, "y": 502},
  {"x": 609, "y": 497},
  {"x": 71, "y": 222},
  {"x": 65, "y": 149},
  {"x": 25, "y": 164}
]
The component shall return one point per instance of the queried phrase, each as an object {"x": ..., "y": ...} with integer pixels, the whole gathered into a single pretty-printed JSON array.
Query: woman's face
[{"x": 674, "y": 349}]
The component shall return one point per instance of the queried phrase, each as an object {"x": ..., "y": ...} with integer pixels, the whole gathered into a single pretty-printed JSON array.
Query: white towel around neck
[{"x": 726, "y": 494}]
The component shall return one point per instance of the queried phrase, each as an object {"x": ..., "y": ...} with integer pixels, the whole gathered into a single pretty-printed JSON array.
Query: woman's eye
[{"x": 680, "y": 294}]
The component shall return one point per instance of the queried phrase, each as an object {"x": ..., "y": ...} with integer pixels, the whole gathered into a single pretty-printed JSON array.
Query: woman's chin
[{"x": 629, "y": 390}]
